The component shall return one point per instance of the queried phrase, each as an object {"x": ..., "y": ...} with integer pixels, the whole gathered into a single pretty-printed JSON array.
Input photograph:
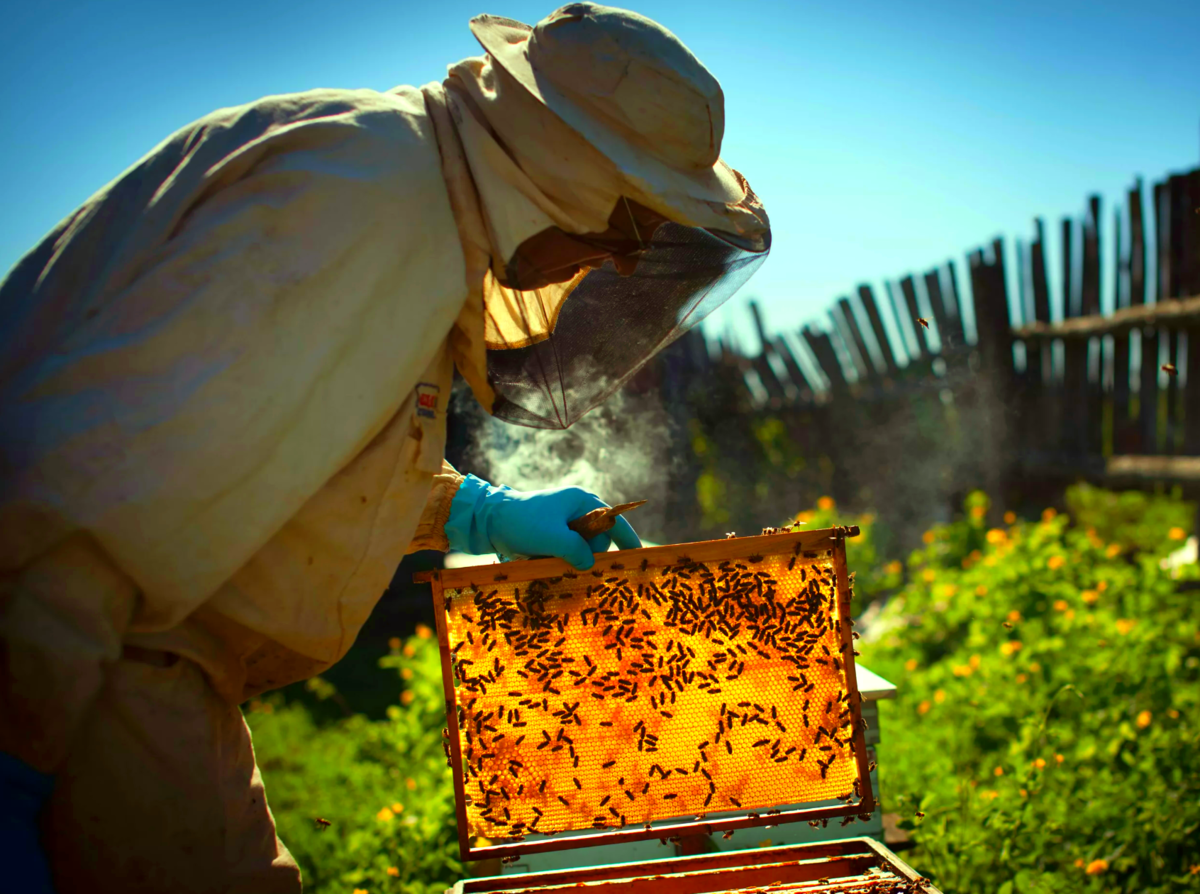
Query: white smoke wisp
[{"x": 620, "y": 451}]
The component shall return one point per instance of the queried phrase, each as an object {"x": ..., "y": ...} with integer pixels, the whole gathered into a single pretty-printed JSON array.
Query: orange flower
[
  {"x": 978, "y": 512},
  {"x": 397, "y": 808},
  {"x": 1069, "y": 614},
  {"x": 981, "y": 590},
  {"x": 393, "y": 871},
  {"x": 975, "y": 659},
  {"x": 1172, "y": 713},
  {"x": 1061, "y": 605},
  {"x": 1010, "y": 647},
  {"x": 929, "y": 575},
  {"x": 1096, "y": 867},
  {"x": 910, "y": 665},
  {"x": 1021, "y": 678},
  {"x": 989, "y": 795},
  {"x": 939, "y": 696},
  {"x": 928, "y": 537},
  {"x": 1124, "y": 625},
  {"x": 1143, "y": 719},
  {"x": 1113, "y": 550},
  {"x": 1049, "y": 514},
  {"x": 999, "y": 771},
  {"x": 424, "y": 632},
  {"x": 1039, "y": 764},
  {"x": 394, "y": 643},
  {"x": 406, "y": 673},
  {"x": 924, "y": 707},
  {"x": 893, "y": 567},
  {"x": 1102, "y": 586},
  {"x": 1058, "y": 758},
  {"x": 996, "y": 535},
  {"x": 825, "y": 504},
  {"x": 1034, "y": 667},
  {"x": 1010, "y": 518},
  {"x": 411, "y": 784},
  {"x": 1177, "y": 533},
  {"x": 406, "y": 697},
  {"x": 409, "y": 651},
  {"x": 1079, "y": 863},
  {"x": 385, "y": 814},
  {"x": 1014, "y": 615},
  {"x": 1055, "y": 562}
]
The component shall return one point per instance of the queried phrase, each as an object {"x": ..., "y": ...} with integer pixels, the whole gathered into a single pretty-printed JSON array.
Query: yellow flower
[
  {"x": 394, "y": 643},
  {"x": 893, "y": 567},
  {"x": 1034, "y": 667},
  {"x": 406, "y": 673},
  {"x": 981, "y": 590},
  {"x": 397, "y": 808},
  {"x": 975, "y": 660},
  {"x": 1055, "y": 562},
  {"x": 1069, "y": 614},
  {"x": 1010, "y": 518},
  {"x": 1143, "y": 719},
  {"x": 1124, "y": 625},
  {"x": 962, "y": 670},
  {"x": 929, "y": 537},
  {"x": 1172, "y": 713},
  {"x": 406, "y": 697},
  {"x": 411, "y": 783},
  {"x": 424, "y": 632},
  {"x": 910, "y": 665},
  {"x": 1058, "y": 758},
  {"x": 1102, "y": 586},
  {"x": 978, "y": 512},
  {"x": 385, "y": 814},
  {"x": 1010, "y": 647},
  {"x": 825, "y": 504},
  {"x": 1177, "y": 533},
  {"x": 999, "y": 771},
  {"x": 409, "y": 651},
  {"x": 1096, "y": 867},
  {"x": 1040, "y": 763},
  {"x": 949, "y": 590},
  {"x": 1079, "y": 862},
  {"x": 989, "y": 795},
  {"x": 1060, "y": 605},
  {"x": 1049, "y": 514},
  {"x": 939, "y": 696},
  {"x": 1014, "y": 615},
  {"x": 393, "y": 871},
  {"x": 924, "y": 707},
  {"x": 996, "y": 535},
  {"x": 1113, "y": 550},
  {"x": 361, "y": 891},
  {"x": 1021, "y": 678},
  {"x": 928, "y": 575}
]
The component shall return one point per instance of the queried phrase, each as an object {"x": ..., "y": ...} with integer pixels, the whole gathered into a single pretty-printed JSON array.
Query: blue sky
[{"x": 883, "y": 137}]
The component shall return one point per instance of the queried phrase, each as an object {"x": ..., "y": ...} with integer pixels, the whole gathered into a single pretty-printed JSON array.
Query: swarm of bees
[{"x": 607, "y": 699}]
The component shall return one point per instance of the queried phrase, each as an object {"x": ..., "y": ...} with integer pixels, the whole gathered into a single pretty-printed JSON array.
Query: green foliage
[
  {"x": 356, "y": 772},
  {"x": 1049, "y": 684}
]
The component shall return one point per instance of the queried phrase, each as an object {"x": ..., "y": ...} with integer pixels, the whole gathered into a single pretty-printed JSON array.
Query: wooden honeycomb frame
[{"x": 736, "y": 600}]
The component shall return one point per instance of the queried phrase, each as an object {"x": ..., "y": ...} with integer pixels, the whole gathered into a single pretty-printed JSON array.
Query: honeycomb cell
[{"x": 597, "y": 700}]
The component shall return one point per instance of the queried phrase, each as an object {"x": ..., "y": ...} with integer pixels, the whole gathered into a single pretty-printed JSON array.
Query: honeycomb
[{"x": 616, "y": 697}]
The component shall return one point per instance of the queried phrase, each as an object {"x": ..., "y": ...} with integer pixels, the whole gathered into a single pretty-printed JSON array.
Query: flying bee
[
  {"x": 920, "y": 815},
  {"x": 1170, "y": 370},
  {"x": 924, "y": 322},
  {"x": 512, "y": 859},
  {"x": 728, "y": 835},
  {"x": 1007, "y": 626},
  {"x": 322, "y": 824}
]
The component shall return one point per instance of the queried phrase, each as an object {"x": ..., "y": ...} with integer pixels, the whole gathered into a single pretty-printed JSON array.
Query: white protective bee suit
[{"x": 223, "y": 387}]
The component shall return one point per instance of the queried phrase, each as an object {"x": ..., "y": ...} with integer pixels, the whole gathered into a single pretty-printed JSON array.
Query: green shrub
[
  {"x": 1049, "y": 681},
  {"x": 383, "y": 785}
]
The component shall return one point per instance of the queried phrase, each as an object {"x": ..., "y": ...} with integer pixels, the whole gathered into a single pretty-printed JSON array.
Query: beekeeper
[{"x": 223, "y": 384}]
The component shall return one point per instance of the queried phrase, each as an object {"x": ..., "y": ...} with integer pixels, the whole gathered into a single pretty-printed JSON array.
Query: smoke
[{"x": 620, "y": 451}]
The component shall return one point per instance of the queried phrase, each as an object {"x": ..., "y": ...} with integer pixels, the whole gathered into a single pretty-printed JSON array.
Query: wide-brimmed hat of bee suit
[
  {"x": 223, "y": 391},
  {"x": 595, "y": 129}
]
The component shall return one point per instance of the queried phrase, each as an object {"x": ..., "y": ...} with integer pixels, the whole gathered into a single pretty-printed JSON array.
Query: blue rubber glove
[
  {"x": 515, "y": 524},
  {"x": 23, "y": 793}
]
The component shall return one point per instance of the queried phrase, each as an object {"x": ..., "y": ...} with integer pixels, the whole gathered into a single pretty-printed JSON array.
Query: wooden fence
[{"x": 993, "y": 381}]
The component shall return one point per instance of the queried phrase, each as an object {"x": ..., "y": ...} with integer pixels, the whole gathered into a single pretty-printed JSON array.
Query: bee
[
  {"x": 322, "y": 824},
  {"x": 730, "y": 535},
  {"x": 1007, "y": 626},
  {"x": 1170, "y": 370},
  {"x": 512, "y": 859},
  {"x": 920, "y": 815},
  {"x": 728, "y": 835},
  {"x": 500, "y": 577},
  {"x": 924, "y": 322}
]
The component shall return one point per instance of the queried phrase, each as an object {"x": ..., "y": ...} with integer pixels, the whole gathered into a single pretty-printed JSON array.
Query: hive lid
[{"x": 672, "y": 690}]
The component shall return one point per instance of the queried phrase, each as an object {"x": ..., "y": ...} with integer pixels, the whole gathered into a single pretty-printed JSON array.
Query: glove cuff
[{"x": 466, "y": 528}]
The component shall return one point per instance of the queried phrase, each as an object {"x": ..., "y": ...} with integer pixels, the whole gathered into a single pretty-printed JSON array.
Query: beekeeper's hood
[{"x": 594, "y": 141}]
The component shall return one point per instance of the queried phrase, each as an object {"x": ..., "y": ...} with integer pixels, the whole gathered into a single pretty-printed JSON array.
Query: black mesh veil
[{"x": 612, "y": 324}]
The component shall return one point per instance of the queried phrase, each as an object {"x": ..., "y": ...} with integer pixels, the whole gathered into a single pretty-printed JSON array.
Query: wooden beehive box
[{"x": 670, "y": 691}]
